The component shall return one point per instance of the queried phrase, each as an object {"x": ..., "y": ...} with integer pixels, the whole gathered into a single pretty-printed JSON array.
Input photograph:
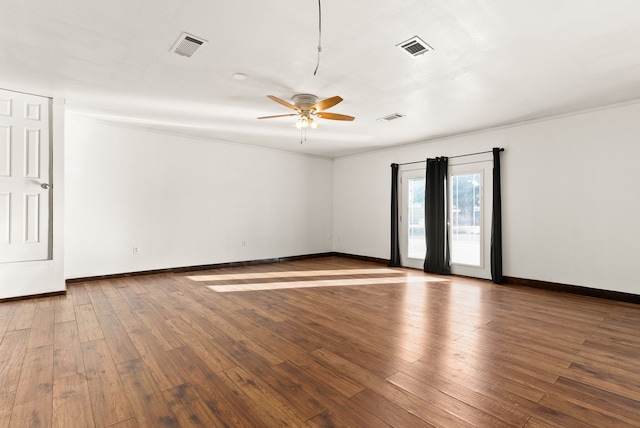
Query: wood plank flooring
[{"x": 329, "y": 342}]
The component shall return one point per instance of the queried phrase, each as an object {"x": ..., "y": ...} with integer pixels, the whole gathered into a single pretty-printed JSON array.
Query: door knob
[{"x": 45, "y": 186}]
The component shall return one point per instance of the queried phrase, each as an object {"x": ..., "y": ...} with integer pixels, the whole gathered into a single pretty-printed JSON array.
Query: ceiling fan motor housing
[{"x": 304, "y": 101}]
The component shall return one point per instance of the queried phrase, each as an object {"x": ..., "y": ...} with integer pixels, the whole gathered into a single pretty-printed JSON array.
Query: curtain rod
[{"x": 452, "y": 157}]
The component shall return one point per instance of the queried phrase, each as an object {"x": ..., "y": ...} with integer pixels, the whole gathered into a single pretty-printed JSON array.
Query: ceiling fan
[{"x": 307, "y": 108}]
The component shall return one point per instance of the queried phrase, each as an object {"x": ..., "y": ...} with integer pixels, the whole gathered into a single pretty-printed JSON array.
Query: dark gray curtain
[
  {"x": 496, "y": 221},
  {"x": 394, "y": 260},
  {"x": 437, "y": 259}
]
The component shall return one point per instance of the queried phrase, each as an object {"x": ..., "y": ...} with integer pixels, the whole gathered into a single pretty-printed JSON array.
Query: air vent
[
  {"x": 187, "y": 44},
  {"x": 391, "y": 117},
  {"x": 415, "y": 46}
]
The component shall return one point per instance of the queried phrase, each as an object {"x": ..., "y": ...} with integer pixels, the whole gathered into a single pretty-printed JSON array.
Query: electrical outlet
[{"x": 136, "y": 249}]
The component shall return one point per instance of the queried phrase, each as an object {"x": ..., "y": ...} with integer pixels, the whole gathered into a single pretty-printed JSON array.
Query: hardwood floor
[{"x": 329, "y": 342}]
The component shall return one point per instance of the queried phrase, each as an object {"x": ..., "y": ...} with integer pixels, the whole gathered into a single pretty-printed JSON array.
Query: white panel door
[{"x": 24, "y": 177}]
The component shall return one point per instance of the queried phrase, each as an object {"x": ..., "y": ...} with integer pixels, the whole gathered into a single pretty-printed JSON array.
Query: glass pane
[
  {"x": 415, "y": 223},
  {"x": 466, "y": 218}
]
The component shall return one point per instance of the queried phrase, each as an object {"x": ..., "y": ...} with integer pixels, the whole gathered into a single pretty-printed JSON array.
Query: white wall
[
  {"x": 569, "y": 189},
  {"x": 186, "y": 201},
  {"x": 570, "y": 199}
]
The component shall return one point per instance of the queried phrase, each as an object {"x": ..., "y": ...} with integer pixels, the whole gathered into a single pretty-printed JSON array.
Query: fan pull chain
[
  {"x": 319, "y": 36},
  {"x": 305, "y": 134}
]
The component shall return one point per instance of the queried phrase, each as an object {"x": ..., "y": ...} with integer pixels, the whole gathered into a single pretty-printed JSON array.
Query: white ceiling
[{"x": 495, "y": 62}]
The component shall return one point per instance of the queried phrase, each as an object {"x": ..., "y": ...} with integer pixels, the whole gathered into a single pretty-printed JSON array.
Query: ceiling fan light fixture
[
  {"x": 306, "y": 121},
  {"x": 302, "y": 122}
]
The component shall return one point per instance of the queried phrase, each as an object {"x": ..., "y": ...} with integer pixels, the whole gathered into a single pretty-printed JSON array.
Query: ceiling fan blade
[
  {"x": 325, "y": 104},
  {"x": 283, "y": 102},
  {"x": 278, "y": 115},
  {"x": 334, "y": 116}
]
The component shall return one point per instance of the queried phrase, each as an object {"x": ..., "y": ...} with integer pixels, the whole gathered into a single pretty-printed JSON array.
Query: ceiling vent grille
[
  {"x": 415, "y": 46},
  {"x": 187, "y": 44},
  {"x": 391, "y": 117}
]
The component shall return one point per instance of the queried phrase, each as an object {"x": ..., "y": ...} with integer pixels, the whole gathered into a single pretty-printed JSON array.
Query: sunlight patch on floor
[
  {"x": 323, "y": 283},
  {"x": 291, "y": 274}
]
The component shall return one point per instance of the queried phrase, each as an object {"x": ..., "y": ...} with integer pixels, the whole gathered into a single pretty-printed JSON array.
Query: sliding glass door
[
  {"x": 466, "y": 218},
  {"x": 470, "y": 219},
  {"x": 412, "y": 241}
]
